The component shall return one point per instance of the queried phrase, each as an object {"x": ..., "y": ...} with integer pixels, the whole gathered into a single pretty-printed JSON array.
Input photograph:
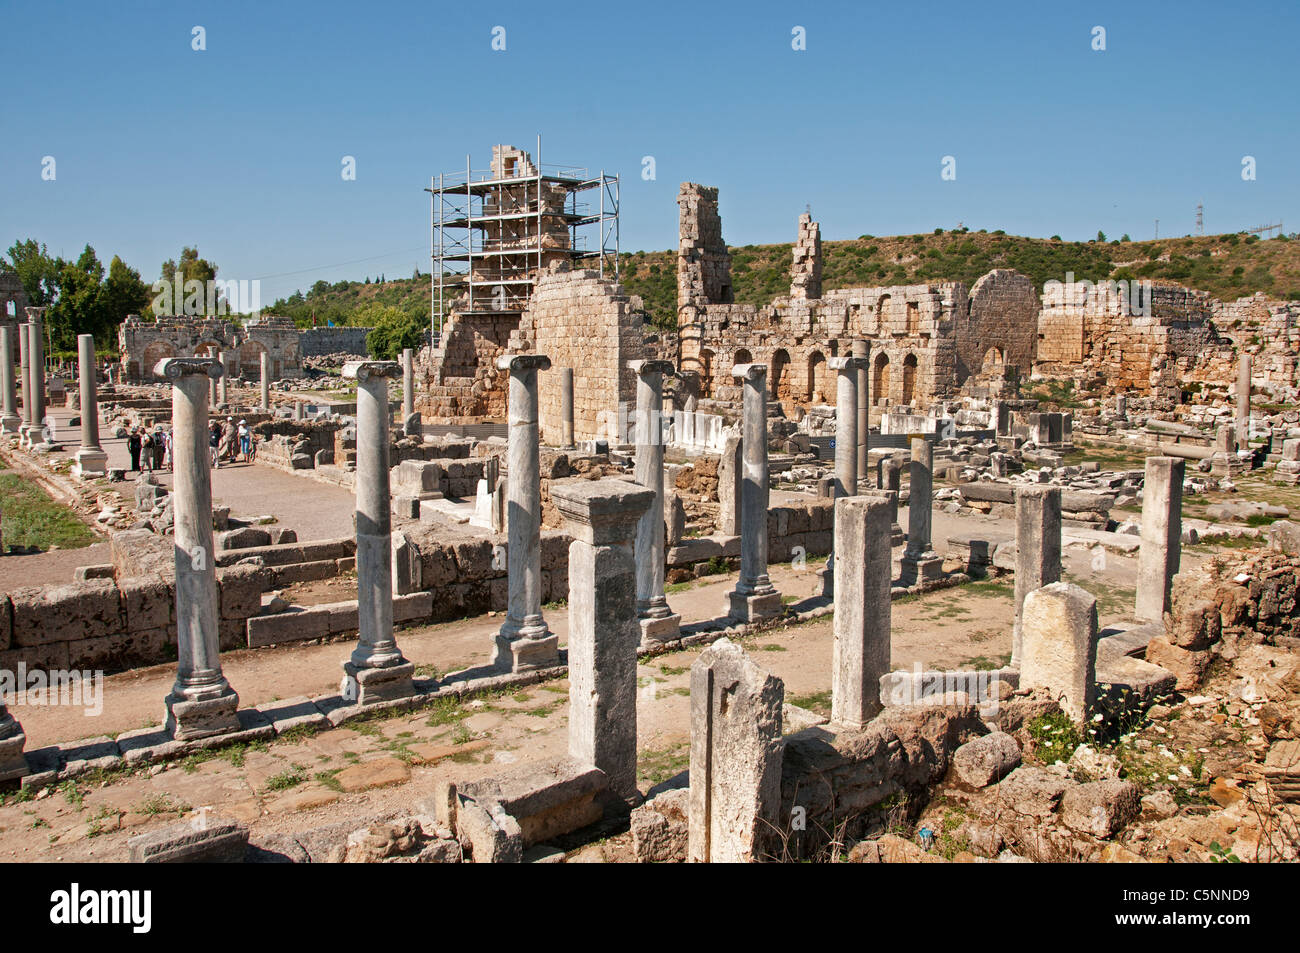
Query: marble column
[
  {"x": 920, "y": 562},
  {"x": 658, "y": 622},
  {"x": 847, "y": 438},
  {"x": 9, "y": 419},
  {"x": 1038, "y": 550},
  {"x": 25, "y": 378},
  {"x": 92, "y": 461},
  {"x": 266, "y": 381},
  {"x": 201, "y": 702},
  {"x": 602, "y": 517},
  {"x": 754, "y": 597},
  {"x": 1162, "y": 536},
  {"x": 862, "y": 353},
  {"x": 408, "y": 384},
  {"x": 566, "y": 407},
  {"x": 1243, "y": 402},
  {"x": 525, "y": 641},
  {"x": 377, "y": 667},
  {"x": 861, "y": 652},
  {"x": 223, "y": 386},
  {"x": 36, "y": 362}
]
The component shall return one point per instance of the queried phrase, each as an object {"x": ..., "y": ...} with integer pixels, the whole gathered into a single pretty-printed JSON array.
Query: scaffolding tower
[{"x": 493, "y": 231}]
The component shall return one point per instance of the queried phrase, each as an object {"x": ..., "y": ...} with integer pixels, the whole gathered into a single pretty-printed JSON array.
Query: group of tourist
[
  {"x": 231, "y": 441},
  {"x": 149, "y": 450}
]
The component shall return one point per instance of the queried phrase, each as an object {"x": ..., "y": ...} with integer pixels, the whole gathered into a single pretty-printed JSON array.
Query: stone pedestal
[
  {"x": 13, "y": 763},
  {"x": 602, "y": 518},
  {"x": 266, "y": 381},
  {"x": 91, "y": 461},
  {"x": 863, "y": 572},
  {"x": 1060, "y": 647},
  {"x": 1038, "y": 548},
  {"x": 525, "y": 640},
  {"x": 658, "y": 622},
  {"x": 377, "y": 664},
  {"x": 735, "y": 793},
  {"x": 201, "y": 702},
  {"x": 9, "y": 419},
  {"x": 1162, "y": 536},
  {"x": 920, "y": 562},
  {"x": 754, "y": 597}
]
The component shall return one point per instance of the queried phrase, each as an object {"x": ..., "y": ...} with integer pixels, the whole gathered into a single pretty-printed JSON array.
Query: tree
[
  {"x": 79, "y": 307},
  {"x": 393, "y": 330},
  {"x": 37, "y": 271},
  {"x": 1124, "y": 237},
  {"x": 124, "y": 292},
  {"x": 191, "y": 268},
  {"x": 1101, "y": 236}
]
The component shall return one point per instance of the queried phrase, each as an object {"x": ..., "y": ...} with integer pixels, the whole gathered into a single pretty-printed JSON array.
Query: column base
[
  {"x": 663, "y": 629},
  {"x": 896, "y": 536},
  {"x": 526, "y": 653},
  {"x": 13, "y": 763},
  {"x": 752, "y": 606},
  {"x": 918, "y": 569},
  {"x": 382, "y": 684},
  {"x": 90, "y": 463},
  {"x": 10, "y": 424},
  {"x": 204, "y": 718}
]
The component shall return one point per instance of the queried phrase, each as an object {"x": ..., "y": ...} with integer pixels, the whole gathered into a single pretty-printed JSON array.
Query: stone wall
[
  {"x": 1000, "y": 325},
  {"x": 703, "y": 262},
  {"x": 142, "y": 344},
  {"x": 583, "y": 321},
  {"x": 317, "y": 342}
]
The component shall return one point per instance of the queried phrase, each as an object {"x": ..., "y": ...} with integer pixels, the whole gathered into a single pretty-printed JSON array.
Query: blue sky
[{"x": 238, "y": 148}]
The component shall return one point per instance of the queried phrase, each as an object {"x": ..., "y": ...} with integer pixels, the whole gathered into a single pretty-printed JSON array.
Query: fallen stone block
[
  {"x": 202, "y": 840},
  {"x": 986, "y": 760}
]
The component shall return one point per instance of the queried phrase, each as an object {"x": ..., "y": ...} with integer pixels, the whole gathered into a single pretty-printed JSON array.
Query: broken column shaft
[
  {"x": 1162, "y": 536},
  {"x": 863, "y": 570},
  {"x": 1038, "y": 548},
  {"x": 658, "y": 622}
]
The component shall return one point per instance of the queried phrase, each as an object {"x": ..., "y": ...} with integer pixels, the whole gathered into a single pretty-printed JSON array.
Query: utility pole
[{"x": 1200, "y": 219}]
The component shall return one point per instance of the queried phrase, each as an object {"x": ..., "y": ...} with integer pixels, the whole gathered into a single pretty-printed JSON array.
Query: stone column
[
  {"x": 658, "y": 622},
  {"x": 566, "y": 407},
  {"x": 25, "y": 380},
  {"x": 730, "y": 483},
  {"x": 863, "y": 570},
  {"x": 13, "y": 764},
  {"x": 920, "y": 562},
  {"x": 1060, "y": 647},
  {"x": 754, "y": 596},
  {"x": 1243, "y": 401},
  {"x": 266, "y": 381},
  {"x": 1038, "y": 549},
  {"x": 862, "y": 352},
  {"x": 602, "y": 517},
  {"x": 891, "y": 482},
  {"x": 36, "y": 362},
  {"x": 735, "y": 797},
  {"x": 846, "y": 425},
  {"x": 223, "y": 385},
  {"x": 201, "y": 702},
  {"x": 524, "y": 641},
  {"x": 92, "y": 461},
  {"x": 408, "y": 384},
  {"x": 299, "y": 410},
  {"x": 1162, "y": 536},
  {"x": 9, "y": 419},
  {"x": 377, "y": 664}
]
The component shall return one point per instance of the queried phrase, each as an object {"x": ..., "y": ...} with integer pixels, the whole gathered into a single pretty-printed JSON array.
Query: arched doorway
[
  {"x": 882, "y": 315},
  {"x": 992, "y": 359},
  {"x": 880, "y": 381},
  {"x": 705, "y": 370},
  {"x": 780, "y": 376},
  {"x": 818, "y": 391},
  {"x": 909, "y": 378}
]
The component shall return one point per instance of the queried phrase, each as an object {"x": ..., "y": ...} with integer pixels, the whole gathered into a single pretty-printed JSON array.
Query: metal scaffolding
[{"x": 493, "y": 231}]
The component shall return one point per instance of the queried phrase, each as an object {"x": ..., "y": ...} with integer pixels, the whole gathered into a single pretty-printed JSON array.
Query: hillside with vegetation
[{"x": 1226, "y": 266}]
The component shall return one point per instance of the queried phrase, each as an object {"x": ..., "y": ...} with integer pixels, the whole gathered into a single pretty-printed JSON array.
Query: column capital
[
  {"x": 35, "y": 315},
  {"x": 523, "y": 362},
  {"x": 363, "y": 371},
  {"x": 642, "y": 368},
  {"x": 603, "y": 511},
  {"x": 174, "y": 368},
  {"x": 847, "y": 363},
  {"x": 748, "y": 372}
]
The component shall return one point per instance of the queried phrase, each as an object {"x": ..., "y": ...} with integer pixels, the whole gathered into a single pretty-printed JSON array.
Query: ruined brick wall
[
  {"x": 462, "y": 383},
  {"x": 583, "y": 321},
  {"x": 315, "y": 342},
  {"x": 703, "y": 264},
  {"x": 13, "y": 304},
  {"x": 1268, "y": 329},
  {"x": 999, "y": 324},
  {"x": 806, "y": 268}
]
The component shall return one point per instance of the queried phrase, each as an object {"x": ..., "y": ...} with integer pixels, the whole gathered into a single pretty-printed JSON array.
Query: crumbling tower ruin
[{"x": 806, "y": 269}]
